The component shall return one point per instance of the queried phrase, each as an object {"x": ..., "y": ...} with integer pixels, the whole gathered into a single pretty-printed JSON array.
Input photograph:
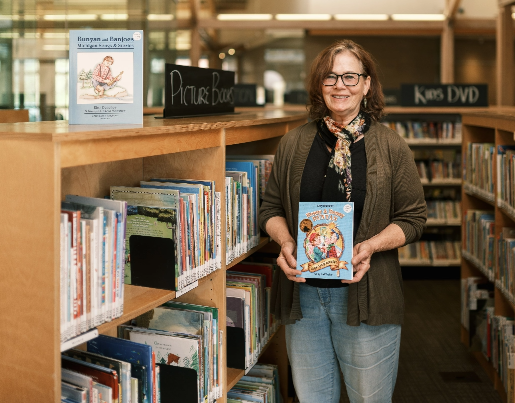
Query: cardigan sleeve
[{"x": 409, "y": 205}]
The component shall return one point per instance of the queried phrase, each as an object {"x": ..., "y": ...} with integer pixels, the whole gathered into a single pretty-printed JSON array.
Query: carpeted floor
[{"x": 431, "y": 344}]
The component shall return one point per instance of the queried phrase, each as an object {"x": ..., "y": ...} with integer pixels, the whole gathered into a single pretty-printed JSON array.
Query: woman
[{"x": 344, "y": 154}]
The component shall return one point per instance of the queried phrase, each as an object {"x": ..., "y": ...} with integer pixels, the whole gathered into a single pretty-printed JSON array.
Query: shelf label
[
  {"x": 184, "y": 290},
  {"x": 444, "y": 95}
]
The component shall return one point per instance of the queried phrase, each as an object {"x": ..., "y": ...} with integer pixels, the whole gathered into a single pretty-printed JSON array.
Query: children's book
[
  {"x": 325, "y": 240},
  {"x": 106, "y": 77}
]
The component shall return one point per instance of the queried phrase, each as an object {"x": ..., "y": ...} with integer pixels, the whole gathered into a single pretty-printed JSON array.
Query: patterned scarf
[{"x": 339, "y": 169}]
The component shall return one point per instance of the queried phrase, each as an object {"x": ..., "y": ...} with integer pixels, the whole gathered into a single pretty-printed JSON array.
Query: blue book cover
[
  {"x": 325, "y": 240},
  {"x": 126, "y": 350},
  {"x": 106, "y": 77}
]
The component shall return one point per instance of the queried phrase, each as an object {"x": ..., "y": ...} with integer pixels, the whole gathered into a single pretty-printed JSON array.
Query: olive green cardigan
[{"x": 394, "y": 195}]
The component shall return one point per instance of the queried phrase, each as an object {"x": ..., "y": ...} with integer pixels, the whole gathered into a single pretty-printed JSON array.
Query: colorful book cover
[
  {"x": 106, "y": 77},
  {"x": 325, "y": 240}
]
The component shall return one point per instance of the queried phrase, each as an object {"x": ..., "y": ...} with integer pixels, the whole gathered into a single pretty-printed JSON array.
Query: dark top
[{"x": 312, "y": 183}]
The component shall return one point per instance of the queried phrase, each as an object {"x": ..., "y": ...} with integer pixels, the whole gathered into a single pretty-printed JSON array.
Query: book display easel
[
  {"x": 42, "y": 162},
  {"x": 488, "y": 264}
]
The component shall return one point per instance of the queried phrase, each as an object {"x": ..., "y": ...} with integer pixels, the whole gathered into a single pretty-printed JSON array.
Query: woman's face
[{"x": 343, "y": 102}]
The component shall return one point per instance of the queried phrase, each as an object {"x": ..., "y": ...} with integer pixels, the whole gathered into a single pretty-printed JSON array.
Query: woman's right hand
[{"x": 288, "y": 263}]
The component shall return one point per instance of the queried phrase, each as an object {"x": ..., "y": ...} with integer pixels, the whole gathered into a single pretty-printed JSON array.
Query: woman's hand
[
  {"x": 361, "y": 261},
  {"x": 287, "y": 261}
]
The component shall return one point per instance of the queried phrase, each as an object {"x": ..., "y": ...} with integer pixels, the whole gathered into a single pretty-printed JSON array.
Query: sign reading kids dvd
[
  {"x": 325, "y": 240},
  {"x": 106, "y": 77}
]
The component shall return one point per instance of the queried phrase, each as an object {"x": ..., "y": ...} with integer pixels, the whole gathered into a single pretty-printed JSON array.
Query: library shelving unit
[
  {"x": 497, "y": 126},
  {"x": 440, "y": 229},
  {"x": 43, "y": 161}
]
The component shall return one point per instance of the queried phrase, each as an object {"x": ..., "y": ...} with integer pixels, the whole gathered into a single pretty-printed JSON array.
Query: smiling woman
[{"x": 344, "y": 154}]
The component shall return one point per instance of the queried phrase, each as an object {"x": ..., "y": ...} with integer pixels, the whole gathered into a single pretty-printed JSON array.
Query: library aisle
[{"x": 435, "y": 367}]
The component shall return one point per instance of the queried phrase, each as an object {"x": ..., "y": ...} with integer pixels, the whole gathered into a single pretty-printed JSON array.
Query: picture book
[
  {"x": 138, "y": 355},
  {"x": 325, "y": 240},
  {"x": 106, "y": 77}
]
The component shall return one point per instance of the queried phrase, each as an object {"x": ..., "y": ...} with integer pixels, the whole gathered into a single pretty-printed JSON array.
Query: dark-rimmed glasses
[{"x": 348, "y": 79}]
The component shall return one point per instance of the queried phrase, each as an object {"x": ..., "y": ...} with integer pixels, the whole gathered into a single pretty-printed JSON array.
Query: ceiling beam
[
  {"x": 503, "y": 3},
  {"x": 451, "y": 9}
]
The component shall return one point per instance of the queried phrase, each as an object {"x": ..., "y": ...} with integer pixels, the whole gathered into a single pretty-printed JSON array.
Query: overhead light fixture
[
  {"x": 160, "y": 17},
  {"x": 303, "y": 17},
  {"x": 231, "y": 52},
  {"x": 30, "y": 17},
  {"x": 418, "y": 17},
  {"x": 244, "y": 17},
  {"x": 221, "y": 55},
  {"x": 55, "y": 35},
  {"x": 513, "y": 16},
  {"x": 55, "y": 47},
  {"x": 70, "y": 17},
  {"x": 10, "y": 35},
  {"x": 114, "y": 17},
  {"x": 361, "y": 17}
]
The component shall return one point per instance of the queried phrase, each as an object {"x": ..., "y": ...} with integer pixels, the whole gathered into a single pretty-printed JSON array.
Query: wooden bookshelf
[
  {"x": 41, "y": 162},
  {"x": 495, "y": 126},
  {"x": 262, "y": 242}
]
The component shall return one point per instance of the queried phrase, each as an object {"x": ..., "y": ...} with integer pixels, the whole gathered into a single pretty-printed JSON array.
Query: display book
[
  {"x": 325, "y": 240},
  {"x": 91, "y": 263},
  {"x": 260, "y": 384},
  {"x": 249, "y": 322},
  {"x": 176, "y": 225},
  {"x": 106, "y": 77}
]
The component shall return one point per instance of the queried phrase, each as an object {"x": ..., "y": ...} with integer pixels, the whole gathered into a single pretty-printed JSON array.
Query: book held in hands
[{"x": 325, "y": 240}]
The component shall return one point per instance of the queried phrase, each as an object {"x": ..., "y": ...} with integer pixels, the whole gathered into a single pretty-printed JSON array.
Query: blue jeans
[{"x": 368, "y": 356}]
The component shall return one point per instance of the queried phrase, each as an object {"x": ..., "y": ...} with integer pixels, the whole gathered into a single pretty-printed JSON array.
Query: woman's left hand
[{"x": 361, "y": 261}]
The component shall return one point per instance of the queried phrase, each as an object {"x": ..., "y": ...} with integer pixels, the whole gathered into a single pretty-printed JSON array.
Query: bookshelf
[
  {"x": 43, "y": 161},
  {"x": 495, "y": 127},
  {"x": 434, "y": 136}
]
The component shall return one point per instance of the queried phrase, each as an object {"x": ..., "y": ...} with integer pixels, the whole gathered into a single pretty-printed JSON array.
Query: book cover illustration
[
  {"x": 106, "y": 77},
  {"x": 325, "y": 240}
]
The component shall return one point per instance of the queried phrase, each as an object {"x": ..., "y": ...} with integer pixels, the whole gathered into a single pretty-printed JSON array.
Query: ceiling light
[
  {"x": 29, "y": 17},
  {"x": 244, "y": 17},
  {"x": 70, "y": 17},
  {"x": 221, "y": 56},
  {"x": 55, "y": 35},
  {"x": 303, "y": 17},
  {"x": 10, "y": 35},
  {"x": 160, "y": 17},
  {"x": 418, "y": 17},
  {"x": 55, "y": 47},
  {"x": 114, "y": 17},
  {"x": 361, "y": 17},
  {"x": 231, "y": 51}
]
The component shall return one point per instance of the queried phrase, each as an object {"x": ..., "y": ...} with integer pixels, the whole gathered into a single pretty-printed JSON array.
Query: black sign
[
  {"x": 392, "y": 96},
  {"x": 444, "y": 95},
  {"x": 193, "y": 91},
  {"x": 245, "y": 95}
]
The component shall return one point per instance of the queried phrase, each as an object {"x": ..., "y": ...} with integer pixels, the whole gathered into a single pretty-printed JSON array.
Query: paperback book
[
  {"x": 325, "y": 240},
  {"x": 106, "y": 77}
]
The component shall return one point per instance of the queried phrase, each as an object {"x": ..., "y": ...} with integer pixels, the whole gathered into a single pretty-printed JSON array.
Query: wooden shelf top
[
  {"x": 61, "y": 131},
  {"x": 495, "y": 117},
  {"x": 262, "y": 242}
]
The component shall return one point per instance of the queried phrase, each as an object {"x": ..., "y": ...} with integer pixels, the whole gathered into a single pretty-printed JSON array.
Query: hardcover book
[
  {"x": 106, "y": 77},
  {"x": 325, "y": 240}
]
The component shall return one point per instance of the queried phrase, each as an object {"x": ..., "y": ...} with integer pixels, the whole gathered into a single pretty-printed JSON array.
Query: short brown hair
[
  {"x": 108, "y": 58},
  {"x": 322, "y": 66}
]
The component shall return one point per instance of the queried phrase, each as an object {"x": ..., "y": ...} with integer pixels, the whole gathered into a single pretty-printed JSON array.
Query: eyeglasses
[{"x": 348, "y": 79}]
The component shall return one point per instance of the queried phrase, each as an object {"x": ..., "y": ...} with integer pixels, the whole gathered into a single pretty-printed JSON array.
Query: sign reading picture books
[
  {"x": 106, "y": 77},
  {"x": 325, "y": 240},
  {"x": 194, "y": 91}
]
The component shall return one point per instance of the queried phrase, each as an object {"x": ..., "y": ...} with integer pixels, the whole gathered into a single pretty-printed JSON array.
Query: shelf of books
[
  {"x": 113, "y": 230},
  {"x": 434, "y": 135},
  {"x": 488, "y": 250}
]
